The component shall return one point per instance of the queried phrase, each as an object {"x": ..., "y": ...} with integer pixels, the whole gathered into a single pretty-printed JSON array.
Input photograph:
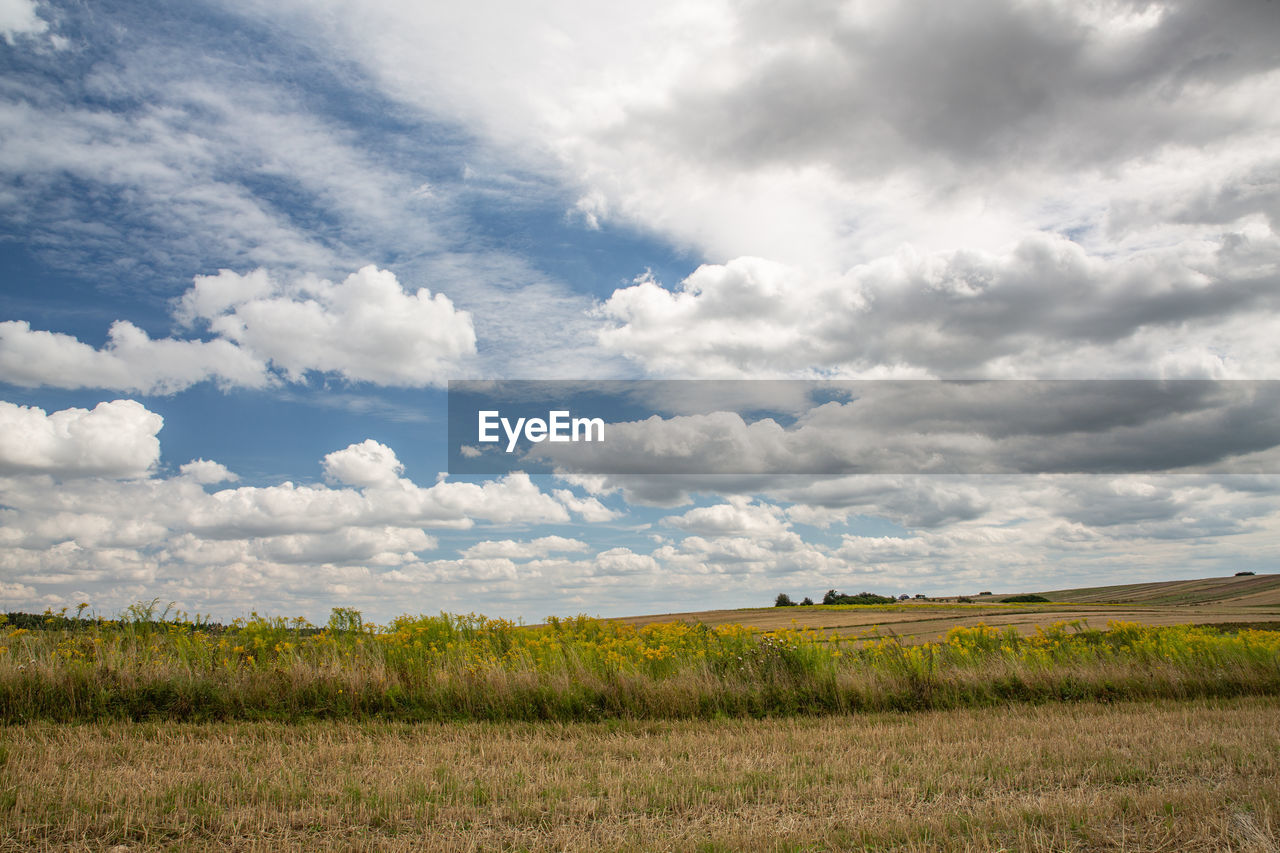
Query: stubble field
[{"x": 1163, "y": 775}]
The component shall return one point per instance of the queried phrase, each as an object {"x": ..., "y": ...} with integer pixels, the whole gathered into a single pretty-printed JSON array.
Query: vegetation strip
[{"x": 471, "y": 667}]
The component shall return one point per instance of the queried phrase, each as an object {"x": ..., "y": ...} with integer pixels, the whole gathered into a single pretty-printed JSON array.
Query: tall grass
[{"x": 473, "y": 667}]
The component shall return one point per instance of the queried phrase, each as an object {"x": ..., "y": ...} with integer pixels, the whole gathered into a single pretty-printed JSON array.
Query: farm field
[
  {"x": 1208, "y": 601},
  {"x": 1161, "y": 775},
  {"x": 949, "y": 727},
  {"x": 1237, "y": 591}
]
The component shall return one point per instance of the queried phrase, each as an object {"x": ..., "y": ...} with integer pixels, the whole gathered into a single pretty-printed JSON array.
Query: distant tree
[
  {"x": 1023, "y": 599},
  {"x": 833, "y": 597},
  {"x": 343, "y": 619},
  {"x": 783, "y": 600},
  {"x": 1243, "y": 574},
  {"x": 808, "y": 602}
]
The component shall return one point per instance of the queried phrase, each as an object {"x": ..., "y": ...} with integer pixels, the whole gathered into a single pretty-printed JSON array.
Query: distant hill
[
  {"x": 1247, "y": 591},
  {"x": 1238, "y": 601}
]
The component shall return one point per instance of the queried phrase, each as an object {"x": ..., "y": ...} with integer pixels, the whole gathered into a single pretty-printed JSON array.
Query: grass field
[
  {"x": 1163, "y": 775},
  {"x": 469, "y": 667}
]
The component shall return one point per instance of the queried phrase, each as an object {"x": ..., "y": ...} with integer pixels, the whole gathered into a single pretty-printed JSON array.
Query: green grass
[{"x": 469, "y": 667}]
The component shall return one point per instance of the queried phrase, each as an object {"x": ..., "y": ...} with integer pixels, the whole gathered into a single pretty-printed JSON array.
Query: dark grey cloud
[
  {"x": 978, "y": 84},
  {"x": 879, "y": 427}
]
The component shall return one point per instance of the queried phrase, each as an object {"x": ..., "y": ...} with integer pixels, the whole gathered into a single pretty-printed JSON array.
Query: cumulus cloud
[
  {"x": 130, "y": 361},
  {"x": 738, "y": 517},
  {"x": 995, "y": 191},
  {"x": 114, "y": 439},
  {"x": 39, "y": 509},
  {"x": 293, "y": 508},
  {"x": 623, "y": 561},
  {"x": 1047, "y": 308},
  {"x": 365, "y": 464},
  {"x": 365, "y": 329},
  {"x": 513, "y": 550},
  {"x": 207, "y": 472},
  {"x": 283, "y": 540},
  {"x": 374, "y": 545}
]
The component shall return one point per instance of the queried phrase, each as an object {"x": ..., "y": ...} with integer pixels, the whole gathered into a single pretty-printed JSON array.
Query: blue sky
[{"x": 246, "y": 244}]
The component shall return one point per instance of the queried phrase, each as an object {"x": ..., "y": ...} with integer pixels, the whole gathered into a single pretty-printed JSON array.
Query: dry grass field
[
  {"x": 1196, "y": 602},
  {"x": 1164, "y": 775}
]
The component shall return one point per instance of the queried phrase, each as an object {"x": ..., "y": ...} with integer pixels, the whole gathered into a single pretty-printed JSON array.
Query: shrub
[
  {"x": 1244, "y": 574},
  {"x": 808, "y": 602},
  {"x": 1023, "y": 599},
  {"x": 783, "y": 600}
]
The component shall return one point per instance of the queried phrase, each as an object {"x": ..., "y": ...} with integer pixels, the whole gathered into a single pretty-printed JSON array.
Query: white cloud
[
  {"x": 739, "y": 517},
  {"x": 1046, "y": 308},
  {"x": 213, "y": 295},
  {"x": 1076, "y": 185},
  {"x": 365, "y": 464},
  {"x": 365, "y": 329},
  {"x": 16, "y": 592},
  {"x": 126, "y": 538},
  {"x": 290, "y": 508},
  {"x": 513, "y": 550},
  {"x": 140, "y": 510},
  {"x": 131, "y": 361},
  {"x": 623, "y": 561},
  {"x": 589, "y": 509},
  {"x": 115, "y": 439},
  {"x": 19, "y": 18},
  {"x": 207, "y": 472},
  {"x": 306, "y": 546},
  {"x": 375, "y": 545}
]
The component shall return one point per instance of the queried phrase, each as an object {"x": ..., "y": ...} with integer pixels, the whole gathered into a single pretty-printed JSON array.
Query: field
[
  {"x": 1233, "y": 600},
  {"x": 980, "y": 726},
  {"x": 1190, "y": 775}
]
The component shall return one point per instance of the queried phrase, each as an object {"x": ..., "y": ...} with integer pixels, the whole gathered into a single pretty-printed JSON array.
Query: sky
[{"x": 245, "y": 245}]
